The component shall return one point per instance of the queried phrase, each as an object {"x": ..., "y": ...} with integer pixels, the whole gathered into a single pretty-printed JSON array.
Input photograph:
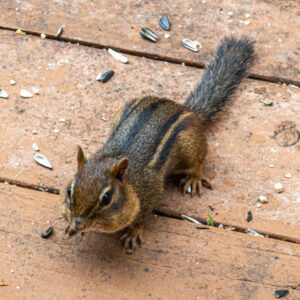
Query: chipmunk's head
[{"x": 99, "y": 197}]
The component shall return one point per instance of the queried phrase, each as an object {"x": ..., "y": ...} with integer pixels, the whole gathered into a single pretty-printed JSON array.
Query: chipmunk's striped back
[{"x": 146, "y": 131}]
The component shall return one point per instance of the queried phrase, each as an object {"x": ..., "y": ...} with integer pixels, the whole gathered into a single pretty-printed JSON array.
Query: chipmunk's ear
[
  {"x": 119, "y": 168},
  {"x": 80, "y": 157}
]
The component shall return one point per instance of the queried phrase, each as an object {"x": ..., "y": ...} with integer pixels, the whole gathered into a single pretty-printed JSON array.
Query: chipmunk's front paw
[
  {"x": 194, "y": 186},
  {"x": 132, "y": 239}
]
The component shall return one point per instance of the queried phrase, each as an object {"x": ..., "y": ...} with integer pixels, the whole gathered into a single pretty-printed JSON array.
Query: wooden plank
[
  {"x": 241, "y": 148},
  {"x": 177, "y": 261},
  {"x": 273, "y": 24}
]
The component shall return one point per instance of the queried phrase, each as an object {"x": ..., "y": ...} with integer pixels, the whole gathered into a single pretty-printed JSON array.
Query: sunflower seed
[
  {"x": 3, "y": 94},
  {"x": 249, "y": 216},
  {"x": 60, "y": 31},
  {"x": 149, "y": 34},
  {"x": 253, "y": 232},
  {"x": 164, "y": 23},
  {"x": 266, "y": 101},
  {"x": 280, "y": 293},
  {"x": 262, "y": 199},
  {"x": 191, "y": 219},
  {"x": 25, "y": 94},
  {"x": 117, "y": 56},
  {"x": 45, "y": 234},
  {"x": 189, "y": 45},
  {"x": 42, "y": 160},
  {"x": 105, "y": 76}
]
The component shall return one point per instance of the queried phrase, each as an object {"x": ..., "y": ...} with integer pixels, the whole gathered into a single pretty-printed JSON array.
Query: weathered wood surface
[
  {"x": 177, "y": 261},
  {"x": 273, "y": 24},
  {"x": 241, "y": 144}
]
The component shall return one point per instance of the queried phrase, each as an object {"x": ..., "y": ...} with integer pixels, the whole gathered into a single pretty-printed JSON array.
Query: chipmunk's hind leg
[{"x": 191, "y": 153}]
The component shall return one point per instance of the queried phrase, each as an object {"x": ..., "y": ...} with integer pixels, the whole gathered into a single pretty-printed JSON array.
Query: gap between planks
[
  {"x": 272, "y": 79},
  {"x": 164, "y": 212}
]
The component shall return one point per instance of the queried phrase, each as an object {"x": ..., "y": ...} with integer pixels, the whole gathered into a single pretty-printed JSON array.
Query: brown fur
[{"x": 151, "y": 140}]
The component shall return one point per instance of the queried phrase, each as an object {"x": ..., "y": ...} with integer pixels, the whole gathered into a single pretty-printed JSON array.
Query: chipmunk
[{"x": 152, "y": 138}]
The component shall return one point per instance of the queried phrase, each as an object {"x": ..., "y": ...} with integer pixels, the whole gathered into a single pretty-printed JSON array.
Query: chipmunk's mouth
[{"x": 76, "y": 225}]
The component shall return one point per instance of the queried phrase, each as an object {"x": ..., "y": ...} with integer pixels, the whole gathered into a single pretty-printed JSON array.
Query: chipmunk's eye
[
  {"x": 107, "y": 198},
  {"x": 69, "y": 192}
]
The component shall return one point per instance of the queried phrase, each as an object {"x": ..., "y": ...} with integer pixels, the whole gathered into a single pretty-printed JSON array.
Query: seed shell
[
  {"x": 105, "y": 76},
  {"x": 25, "y": 94},
  {"x": 60, "y": 31},
  {"x": 249, "y": 216},
  {"x": 118, "y": 56},
  {"x": 45, "y": 234},
  {"x": 164, "y": 23},
  {"x": 280, "y": 293},
  {"x": 266, "y": 101},
  {"x": 3, "y": 94},
  {"x": 148, "y": 37},
  {"x": 42, "y": 160},
  {"x": 189, "y": 45},
  {"x": 150, "y": 32}
]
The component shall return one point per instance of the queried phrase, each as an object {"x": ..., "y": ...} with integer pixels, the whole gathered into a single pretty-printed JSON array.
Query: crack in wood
[{"x": 253, "y": 76}]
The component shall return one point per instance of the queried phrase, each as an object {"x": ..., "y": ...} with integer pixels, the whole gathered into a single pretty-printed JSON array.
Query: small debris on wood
[
  {"x": 42, "y": 160},
  {"x": 18, "y": 288},
  {"x": 35, "y": 90},
  {"x": 43, "y": 35},
  {"x": 221, "y": 226},
  {"x": 60, "y": 31},
  {"x": 202, "y": 227},
  {"x": 118, "y": 56},
  {"x": 262, "y": 199},
  {"x": 105, "y": 76},
  {"x": 266, "y": 101},
  {"x": 34, "y": 131},
  {"x": 3, "y": 94},
  {"x": 12, "y": 82},
  {"x": 288, "y": 175},
  {"x": 249, "y": 216},
  {"x": 19, "y": 31},
  {"x": 164, "y": 23},
  {"x": 2, "y": 282},
  {"x": 258, "y": 204},
  {"x": 271, "y": 166},
  {"x": 45, "y": 234},
  {"x": 280, "y": 293},
  {"x": 211, "y": 208},
  {"x": 167, "y": 35},
  {"x": 25, "y": 94},
  {"x": 253, "y": 232},
  {"x": 189, "y": 190},
  {"x": 278, "y": 187},
  {"x": 191, "y": 219},
  {"x": 189, "y": 45},
  {"x": 149, "y": 34},
  {"x": 35, "y": 147}
]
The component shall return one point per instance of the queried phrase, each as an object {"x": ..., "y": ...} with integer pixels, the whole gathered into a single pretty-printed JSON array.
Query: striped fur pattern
[{"x": 152, "y": 138}]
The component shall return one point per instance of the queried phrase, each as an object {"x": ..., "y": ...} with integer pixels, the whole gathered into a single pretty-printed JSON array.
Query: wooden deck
[{"x": 248, "y": 150}]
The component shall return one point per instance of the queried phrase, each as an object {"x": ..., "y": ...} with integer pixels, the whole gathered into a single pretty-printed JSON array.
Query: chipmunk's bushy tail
[{"x": 225, "y": 72}]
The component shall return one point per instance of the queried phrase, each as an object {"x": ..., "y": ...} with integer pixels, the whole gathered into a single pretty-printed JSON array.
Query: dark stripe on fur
[
  {"x": 163, "y": 131},
  {"x": 170, "y": 142},
  {"x": 139, "y": 123}
]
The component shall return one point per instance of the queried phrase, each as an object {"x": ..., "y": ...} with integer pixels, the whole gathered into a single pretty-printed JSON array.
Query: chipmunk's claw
[{"x": 131, "y": 242}]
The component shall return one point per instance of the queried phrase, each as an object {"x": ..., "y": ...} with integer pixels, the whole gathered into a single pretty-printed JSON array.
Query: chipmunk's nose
[{"x": 78, "y": 223}]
